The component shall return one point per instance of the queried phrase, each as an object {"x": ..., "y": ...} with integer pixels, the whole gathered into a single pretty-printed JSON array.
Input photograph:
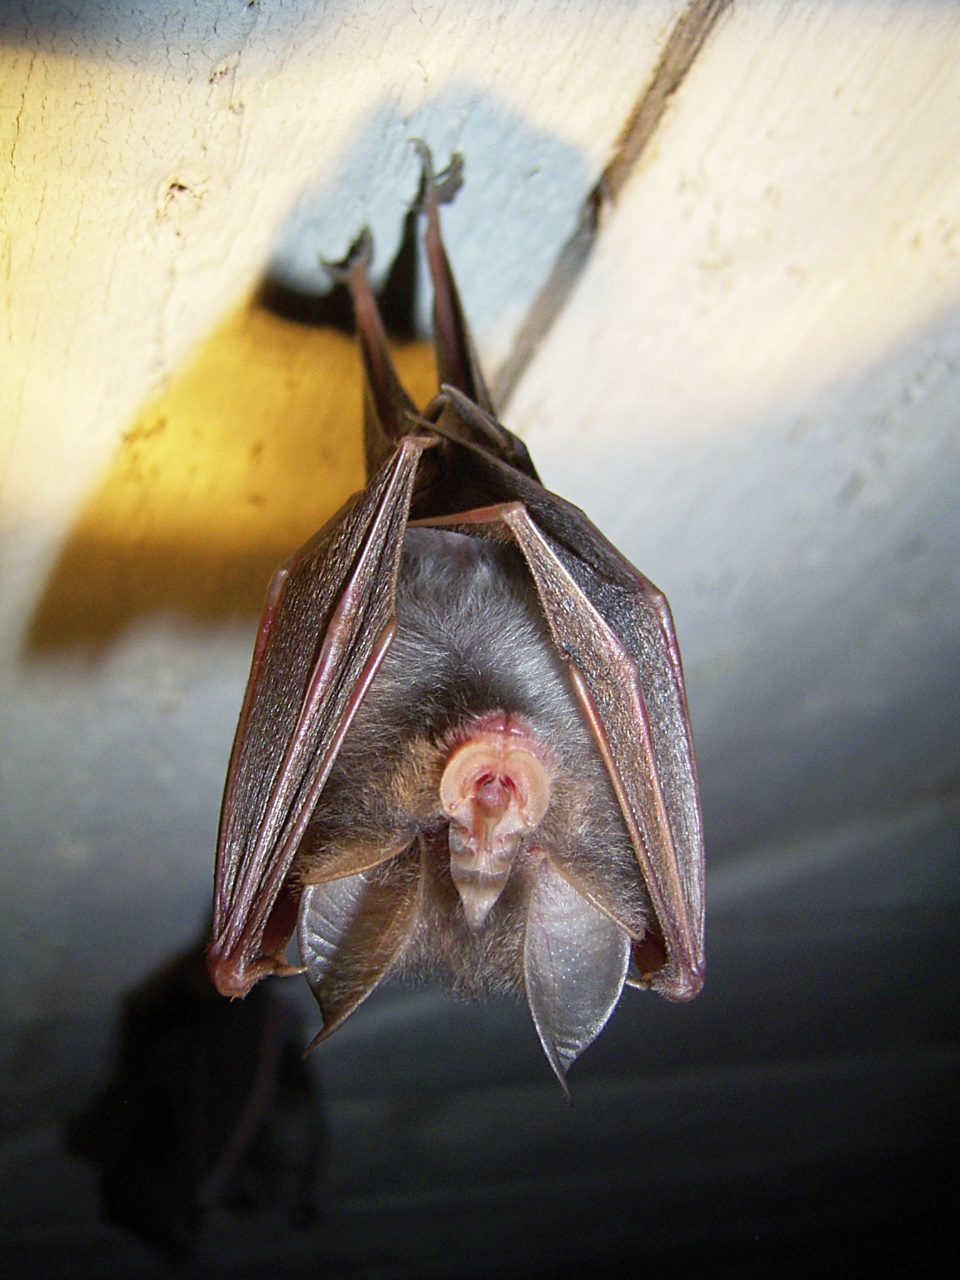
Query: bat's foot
[
  {"x": 358, "y": 259},
  {"x": 437, "y": 188}
]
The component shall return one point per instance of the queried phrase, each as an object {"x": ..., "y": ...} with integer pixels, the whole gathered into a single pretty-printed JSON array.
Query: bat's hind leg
[
  {"x": 456, "y": 359},
  {"x": 386, "y": 406}
]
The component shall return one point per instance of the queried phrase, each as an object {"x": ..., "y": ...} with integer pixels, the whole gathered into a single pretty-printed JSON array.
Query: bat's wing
[
  {"x": 327, "y": 624},
  {"x": 615, "y": 630}
]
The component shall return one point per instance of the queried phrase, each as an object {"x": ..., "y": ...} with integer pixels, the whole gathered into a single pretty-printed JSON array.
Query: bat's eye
[{"x": 495, "y": 789}]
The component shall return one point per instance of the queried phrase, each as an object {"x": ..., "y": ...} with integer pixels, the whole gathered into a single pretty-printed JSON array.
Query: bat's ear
[
  {"x": 352, "y": 931},
  {"x": 386, "y": 405},
  {"x": 575, "y": 962},
  {"x": 457, "y": 362}
]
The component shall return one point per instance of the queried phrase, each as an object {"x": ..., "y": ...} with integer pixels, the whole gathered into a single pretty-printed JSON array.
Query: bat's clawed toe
[
  {"x": 359, "y": 258},
  {"x": 437, "y": 188}
]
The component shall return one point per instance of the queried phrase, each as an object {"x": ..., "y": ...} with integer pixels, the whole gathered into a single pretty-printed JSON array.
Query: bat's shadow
[
  {"x": 257, "y": 439},
  {"x": 210, "y": 1105}
]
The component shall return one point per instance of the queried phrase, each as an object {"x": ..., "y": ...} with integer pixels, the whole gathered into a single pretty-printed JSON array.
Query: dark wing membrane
[
  {"x": 615, "y": 629},
  {"x": 328, "y": 622}
]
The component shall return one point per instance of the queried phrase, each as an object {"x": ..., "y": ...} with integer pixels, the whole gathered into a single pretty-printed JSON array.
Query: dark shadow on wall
[
  {"x": 210, "y": 1106},
  {"x": 253, "y": 446},
  {"x": 107, "y": 30}
]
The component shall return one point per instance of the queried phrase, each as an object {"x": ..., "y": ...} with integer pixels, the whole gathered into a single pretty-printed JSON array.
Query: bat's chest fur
[{"x": 471, "y": 641}]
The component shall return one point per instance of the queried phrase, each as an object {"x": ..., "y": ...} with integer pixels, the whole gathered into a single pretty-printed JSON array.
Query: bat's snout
[{"x": 495, "y": 789}]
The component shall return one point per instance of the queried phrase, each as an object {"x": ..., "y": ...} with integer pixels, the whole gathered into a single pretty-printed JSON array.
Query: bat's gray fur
[{"x": 471, "y": 639}]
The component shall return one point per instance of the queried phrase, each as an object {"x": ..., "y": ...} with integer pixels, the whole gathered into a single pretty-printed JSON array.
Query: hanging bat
[{"x": 464, "y": 749}]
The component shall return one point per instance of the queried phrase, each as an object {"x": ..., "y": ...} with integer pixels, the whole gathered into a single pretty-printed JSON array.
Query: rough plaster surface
[
  {"x": 769, "y": 340},
  {"x": 159, "y": 158}
]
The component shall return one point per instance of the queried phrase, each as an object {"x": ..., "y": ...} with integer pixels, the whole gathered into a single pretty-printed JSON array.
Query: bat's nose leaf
[
  {"x": 575, "y": 962},
  {"x": 495, "y": 789},
  {"x": 352, "y": 931},
  {"x": 478, "y": 892}
]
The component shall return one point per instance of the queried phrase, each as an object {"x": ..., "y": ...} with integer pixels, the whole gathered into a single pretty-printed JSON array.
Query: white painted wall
[{"x": 768, "y": 341}]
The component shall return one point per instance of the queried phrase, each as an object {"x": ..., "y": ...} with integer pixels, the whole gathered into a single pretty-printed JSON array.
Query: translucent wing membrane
[{"x": 575, "y": 963}]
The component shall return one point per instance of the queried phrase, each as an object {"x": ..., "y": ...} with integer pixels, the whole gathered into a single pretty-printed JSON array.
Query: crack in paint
[{"x": 680, "y": 51}]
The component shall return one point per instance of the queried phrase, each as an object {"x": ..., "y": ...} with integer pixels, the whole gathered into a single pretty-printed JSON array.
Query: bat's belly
[{"x": 471, "y": 651}]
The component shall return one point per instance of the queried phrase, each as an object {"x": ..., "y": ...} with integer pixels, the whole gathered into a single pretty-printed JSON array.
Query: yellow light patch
[{"x": 246, "y": 454}]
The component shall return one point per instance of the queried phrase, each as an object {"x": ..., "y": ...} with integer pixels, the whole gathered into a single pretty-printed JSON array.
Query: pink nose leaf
[{"x": 495, "y": 789}]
